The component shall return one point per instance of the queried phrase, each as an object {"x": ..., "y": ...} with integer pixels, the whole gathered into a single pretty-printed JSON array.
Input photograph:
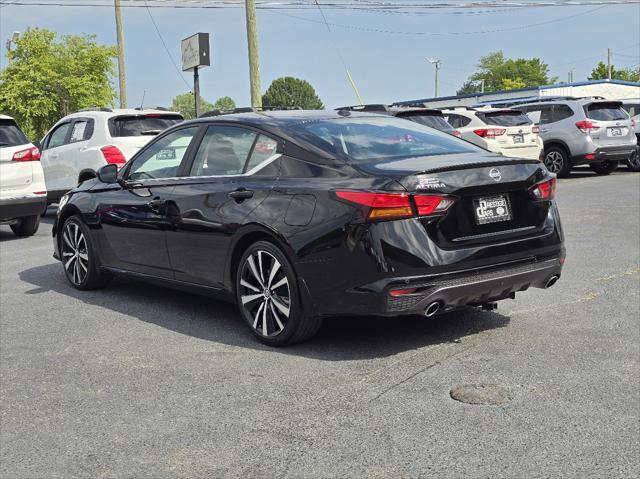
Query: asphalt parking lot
[{"x": 139, "y": 381}]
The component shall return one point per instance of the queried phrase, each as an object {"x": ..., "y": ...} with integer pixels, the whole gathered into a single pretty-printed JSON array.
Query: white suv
[
  {"x": 505, "y": 131},
  {"x": 23, "y": 194},
  {"x": 79, "y": 144}
]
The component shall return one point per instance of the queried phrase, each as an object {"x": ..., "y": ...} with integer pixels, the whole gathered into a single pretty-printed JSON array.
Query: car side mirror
[{"x": 108, "y": 173}]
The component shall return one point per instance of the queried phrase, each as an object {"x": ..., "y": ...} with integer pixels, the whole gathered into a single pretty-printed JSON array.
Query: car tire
[
  {"x": 557, "y": 161},
  {"x": 26, "y": 226},
  {"x": 605, "y": 167},
  {"x": 268, "y": 296},
  {"x": 44, "y": 212},
  {"x": 79, "y": 258},
  {"x": 634, "y": 161}
]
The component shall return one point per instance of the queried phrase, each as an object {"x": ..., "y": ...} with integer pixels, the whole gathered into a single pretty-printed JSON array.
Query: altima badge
[{"x": 495, "y": 174}]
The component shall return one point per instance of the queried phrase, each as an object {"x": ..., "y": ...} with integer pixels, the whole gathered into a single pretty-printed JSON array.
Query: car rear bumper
[
  {"x": 20, "y": 207},
  {"x": 528, "y": 152},
  {"x": 607, "y": 153}
]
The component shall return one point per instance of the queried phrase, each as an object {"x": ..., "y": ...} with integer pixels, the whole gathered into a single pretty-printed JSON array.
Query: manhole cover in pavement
[{"x": 490, "y": 394}]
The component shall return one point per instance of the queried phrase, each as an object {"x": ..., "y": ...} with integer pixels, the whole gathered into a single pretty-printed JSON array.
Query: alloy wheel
[
  {"x": 634, "y": 161},
  {"x": 265, "y": 293},
  {"x": 74, "y": 253},
  {"x": 554, "y": 161}
]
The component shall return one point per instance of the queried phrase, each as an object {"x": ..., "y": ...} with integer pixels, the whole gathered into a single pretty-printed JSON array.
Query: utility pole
[
  {"x": 196, "y": 90},
  {"x": 437, "y": 64},
  {"x": 609, "y": 63},
  {"x": 122, "y": 80},
  {"x": 482, "y": 85},
  {"x": 254, "y": 57}
]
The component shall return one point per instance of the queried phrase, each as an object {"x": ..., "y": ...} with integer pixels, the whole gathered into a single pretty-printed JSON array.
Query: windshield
[
  {"x": 432, "y": 121},
  {"x": 378, "y": 138},
  {"x": 140, "y": 125},
  {"x": 606, "y": 112},
  {"x": 504, "y": 118},
  {"x": 10, "y": 134}
]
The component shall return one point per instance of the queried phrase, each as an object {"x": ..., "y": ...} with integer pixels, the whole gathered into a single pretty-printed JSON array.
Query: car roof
[
  {"x": 282, "y": 118},
  {"x": 108, "y": 113},
  {"x": 5, "y": 117}
]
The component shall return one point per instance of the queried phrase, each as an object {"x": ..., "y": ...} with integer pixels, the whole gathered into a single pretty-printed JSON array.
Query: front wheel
[
  {"x": 26, "y": 226},
  {"x": 604, "y": 168},
  {"x": 78, "y": 256},
  {"x": 269, "y": 299}
]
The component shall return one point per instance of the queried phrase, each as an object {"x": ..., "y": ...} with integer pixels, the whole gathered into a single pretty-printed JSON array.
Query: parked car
[
  {"x": 505, "y": 131},
  {"x": 299, "y": 215},
  {"x": 632, "y": 107},
  {"x": 23, "y": 194},
  {"x": 580, "y": 131},
  {"x": 425, "y": 116},
  {"x": 80, "y": 143}
]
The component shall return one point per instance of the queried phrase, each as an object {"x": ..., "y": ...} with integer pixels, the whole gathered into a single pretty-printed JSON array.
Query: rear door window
[
  {"x": 606, "y": 111},
  {"x": 458, "y": 121},
  {"x": 504, "y": 118},
  {"x": 81, "y": 131},
  {"x": 539, "y": 114},
  {"x": 141, "y": 125},
  {"x": 265, "y": 149},
  {"x": 10, "y": 134},
  {"x": 561, "y": 112}
]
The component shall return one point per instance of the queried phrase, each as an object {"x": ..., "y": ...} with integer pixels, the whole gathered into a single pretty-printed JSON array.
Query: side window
[
  {"x": 264, "y": 149},
  {"x": 534, "y": 114},
  {"x": 223, "y": 151},
  {"x": 545, "y": 115},
  {"x": 463, "y": 121},
  {"x": 562, "y": 112},
  {"x": 57, "y": 136},
  {"x": 457, "y": 121},
  {"x": 79, "y": 131},
  {"x": 162, "y": 158}
]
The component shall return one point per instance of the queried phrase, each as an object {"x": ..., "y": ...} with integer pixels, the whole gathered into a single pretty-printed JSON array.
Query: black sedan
[{"x": 300, "y": 215}]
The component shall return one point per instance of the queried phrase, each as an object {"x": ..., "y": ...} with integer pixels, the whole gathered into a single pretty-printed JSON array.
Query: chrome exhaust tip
[
  {"x": 432, "y": 309},
  {"x": 552, "y": 281}
]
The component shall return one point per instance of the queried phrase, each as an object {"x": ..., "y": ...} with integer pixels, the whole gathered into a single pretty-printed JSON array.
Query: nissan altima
[{"x": 301, "y": 215}]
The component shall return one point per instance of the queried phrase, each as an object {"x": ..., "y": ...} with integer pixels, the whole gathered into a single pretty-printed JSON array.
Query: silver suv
[
  {"x": 632, "y": 106},
  {"x": 579, "y": 131}
]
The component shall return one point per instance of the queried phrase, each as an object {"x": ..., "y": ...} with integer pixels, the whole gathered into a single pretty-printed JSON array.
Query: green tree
[
  {"x": 224, "y": 103},
  {"x": 628, "y": 74},
  {"x": 292, "y": 92},
  {"x": 501, "y": 73},
  {"x": 47, "y": 78},
  {"x": 186, "y": 105}
]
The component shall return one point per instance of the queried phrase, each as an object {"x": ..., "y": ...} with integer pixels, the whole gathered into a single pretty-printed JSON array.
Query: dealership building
[{"x": 609, "y": 89}]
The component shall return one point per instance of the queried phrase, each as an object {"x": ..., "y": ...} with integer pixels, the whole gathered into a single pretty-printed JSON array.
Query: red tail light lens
[
  {"x": 402, "y": 292},
  {"x": 535, "y": 129},
  {"x": 545, "y": 190},
  {"x": 456, "y": 133},
  {"x": 381, "y": 205},
  {"x": 30, "y": 154},
  {"x": 586, "y": 126},
  {"x": 113, "y": 155},
  {"x": 432, "y": 204},
  {"x": 490, "y": 132}
]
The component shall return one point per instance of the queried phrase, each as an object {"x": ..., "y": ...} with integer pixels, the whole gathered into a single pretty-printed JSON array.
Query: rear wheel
[
  {"x": 269, "y": 299},
  {"x": 605, "y": 167},
  {"x": 634, "y": 161},
  {"x": 78, "y": 256},
  {"x": 557, "y": 161},
  {"x": 26, "y": 226}
]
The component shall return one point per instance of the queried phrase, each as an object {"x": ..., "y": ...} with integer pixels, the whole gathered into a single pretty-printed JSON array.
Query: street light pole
[
  {"x": 437, "y": 65},
  {"x": 254, "y": 57}
]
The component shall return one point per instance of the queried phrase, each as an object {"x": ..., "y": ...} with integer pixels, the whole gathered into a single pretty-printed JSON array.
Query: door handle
[
  {"x": 241, "y": 194},
  {"x": 156, "y": 204}
]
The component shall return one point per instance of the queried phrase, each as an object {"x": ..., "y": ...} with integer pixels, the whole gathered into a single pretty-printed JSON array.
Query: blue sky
[{"x": 386, "y": 67}]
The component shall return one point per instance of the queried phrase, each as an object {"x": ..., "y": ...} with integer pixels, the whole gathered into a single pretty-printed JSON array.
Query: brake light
[
  {"x": 381, "y": 205},
  {"x": 545, "y": 190},
  {"x": 30, "y": 154},
  {"x": 456, "y": 133},
  {"x": 490, "y": 132},
  {"x": 113, "y": 155},
  {"x": 432, "y": 204},
  {"x": 153, "y": 115},
  {"x": 585, "y": 126},
  {"x": 535, "y": 129}
]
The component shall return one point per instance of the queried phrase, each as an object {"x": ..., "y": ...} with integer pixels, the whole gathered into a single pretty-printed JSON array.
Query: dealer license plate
[{"x": 492, "y": 209}]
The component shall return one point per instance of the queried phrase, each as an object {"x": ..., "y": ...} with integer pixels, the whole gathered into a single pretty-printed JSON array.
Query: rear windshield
[
  {"x": 380, "y": 138},
  {"x": 504, "y": 118},
  {"x": 606, "y": 112},
  {"x": 10, "y": 134},
  {"x": 432, "y": 121},
  {"x": 141, "y": 125}
]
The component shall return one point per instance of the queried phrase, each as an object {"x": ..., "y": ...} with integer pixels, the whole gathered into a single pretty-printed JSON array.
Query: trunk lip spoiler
[{"x": 469, "y": 166}]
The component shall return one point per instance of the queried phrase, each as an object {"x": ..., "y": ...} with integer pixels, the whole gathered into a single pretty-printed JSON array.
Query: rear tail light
[
  {"x": 633, "y": 124},
  {"x": 545, "y": 190},
  {"x": 30, "y": 154},
  {"x": 113, "y": 155},
  {"x": 456, "y": 133},
  {"x": 535, "y": 129},
  {"x": 490, "y": 132},
  {"x": 385, "y": 206},
  {"x": 402, "y": 292},
  {"x": 586, "y": 126},
  {"x": 590, "y": 156}
]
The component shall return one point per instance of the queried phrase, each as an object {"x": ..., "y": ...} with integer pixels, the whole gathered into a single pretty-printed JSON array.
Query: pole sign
[{"x": 195, "y": 52}]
